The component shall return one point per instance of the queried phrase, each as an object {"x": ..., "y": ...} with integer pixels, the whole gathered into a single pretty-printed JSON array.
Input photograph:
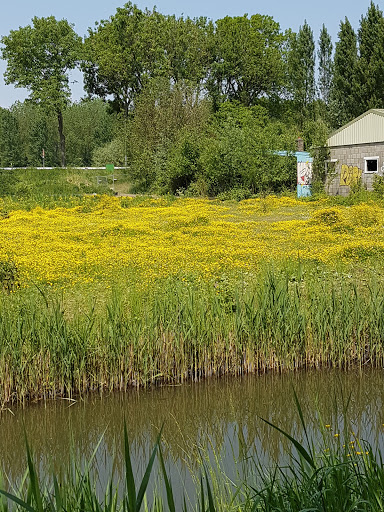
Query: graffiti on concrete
[
  {"x": 349, "y": 175},
  {"x": 304, "y": 173}
]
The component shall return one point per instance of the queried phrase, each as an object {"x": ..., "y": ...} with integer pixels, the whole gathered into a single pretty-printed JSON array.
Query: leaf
[
  {"x": 129, "y": 478},
  {"x": 299, "y": 447},
  {"x": 147, "y": 474},
  {"x": 18, "y": 501},
  {"x": 170, "y": 499},
  {"x": 34, "y": 482}
]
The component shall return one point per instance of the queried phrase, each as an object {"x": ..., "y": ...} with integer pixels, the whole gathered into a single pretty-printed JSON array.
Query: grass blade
[
  {"x": 17, "y": 500},
  {"x": 129, "y": 478},
  {"x": 168, "y": 488},
  {"x": 147, "y": 474},
  {"x": 299, "y": 447}
]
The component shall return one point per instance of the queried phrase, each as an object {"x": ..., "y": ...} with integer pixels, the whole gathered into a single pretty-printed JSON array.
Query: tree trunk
[{"x": 62, "y": 138}]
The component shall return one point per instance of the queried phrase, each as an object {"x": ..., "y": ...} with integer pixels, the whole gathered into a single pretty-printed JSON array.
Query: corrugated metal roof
[{"x": 365, "y": 129}]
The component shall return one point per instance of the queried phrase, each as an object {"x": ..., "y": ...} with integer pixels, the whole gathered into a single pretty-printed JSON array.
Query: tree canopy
[
  {"x": 39, "y": 57},
  {"x": 187, "y": 104},
  {"x": 247, "y": 58}
]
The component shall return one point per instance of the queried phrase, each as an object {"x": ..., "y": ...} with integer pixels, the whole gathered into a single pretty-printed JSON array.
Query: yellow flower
[{"x": 100, "y": 238}]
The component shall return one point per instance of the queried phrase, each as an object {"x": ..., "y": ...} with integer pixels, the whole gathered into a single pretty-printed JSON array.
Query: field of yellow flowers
[
  {"x": 116, "y": 292},
  {"x": 105, "y": 239}
]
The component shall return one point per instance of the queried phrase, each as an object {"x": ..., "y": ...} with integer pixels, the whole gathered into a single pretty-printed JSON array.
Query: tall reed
[{"x": 177, "y": 331}]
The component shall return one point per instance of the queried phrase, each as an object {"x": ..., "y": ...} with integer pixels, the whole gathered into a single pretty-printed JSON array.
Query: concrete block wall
[{"x": 353, "y": 157}]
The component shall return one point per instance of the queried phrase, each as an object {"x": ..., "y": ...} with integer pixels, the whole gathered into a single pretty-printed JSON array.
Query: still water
[{"x": 215, "y": 417}]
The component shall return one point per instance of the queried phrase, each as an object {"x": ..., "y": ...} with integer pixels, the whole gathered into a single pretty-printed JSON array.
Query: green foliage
[
  {"x": 239, "y": 152},
  {"x": 26, "y": 129},
  {"x": 122, "y": 53},
  {"x": 89, "y": 126},
  {"x": 8, "y": 180},
  {"x": 10, "y": 140},
  {"x": 370, "y": 66},
  {"x": 45, "y": 186},
  {"x": 327, "y": 216},
  {"x": 317, "y": 133},
  {"x": 301, "y": 69},
  {"x": 378, "y": 186},
  {"x": 111, "y": 153},
  {"x": 343, "y": 92},
  {"x": 38, "y": 131},
  {"x": 9, "y": 275},
  {"x": 291, "y": 317},
  {"x": 164, "y": 136},
  {"x": 247, "y": 61},
  {"x": 325, "y": 64},
  {"x": 183, "y": 163},
  {"x": 234, "y": 194},
  {"x": 39, "y": 58},
  {"x": 187, "y": 44},
  {"x": 184, "y": 90}
]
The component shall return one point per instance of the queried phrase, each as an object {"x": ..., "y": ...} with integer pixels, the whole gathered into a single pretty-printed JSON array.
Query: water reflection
[{"x": 220, "y": 415}]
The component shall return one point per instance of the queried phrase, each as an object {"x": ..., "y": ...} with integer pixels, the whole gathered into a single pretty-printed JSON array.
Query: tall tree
[
  {"x": 344, "y": 106},
  {"x": 301, "y": 68},
  {"x": 38, "y": 131},
  {"x": 122, "y": 54},
  {"x": 247, "y": 60},
  {"x": 325, "y": 69},
  {"x": 187, "y": 48},
  {"x": 370, "y": 67},
  {"x": 39, "y": 58},
  {"x": 89, "y": 125},
  {"x": 10, "y": 144}
]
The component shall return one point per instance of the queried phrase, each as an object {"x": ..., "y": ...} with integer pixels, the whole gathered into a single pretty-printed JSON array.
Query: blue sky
[{"x": 84, "y": 13}]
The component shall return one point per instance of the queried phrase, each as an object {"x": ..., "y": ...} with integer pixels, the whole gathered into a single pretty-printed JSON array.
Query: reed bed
[{"x": 179, "y": 331}]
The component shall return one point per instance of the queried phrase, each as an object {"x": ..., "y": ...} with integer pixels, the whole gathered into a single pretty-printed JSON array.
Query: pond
[{"x": 216, "y": 418}]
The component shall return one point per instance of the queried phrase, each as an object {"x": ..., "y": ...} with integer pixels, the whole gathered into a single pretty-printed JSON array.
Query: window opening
[{"x": 371, "y": 163}]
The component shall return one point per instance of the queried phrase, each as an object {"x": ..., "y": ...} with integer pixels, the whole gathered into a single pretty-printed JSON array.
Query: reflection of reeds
[
  {"x": 177, "y": 332},
  {"x": 341, "y": 473}
]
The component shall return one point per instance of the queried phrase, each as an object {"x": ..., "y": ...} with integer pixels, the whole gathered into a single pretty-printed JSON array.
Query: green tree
[
  {"x": 39, "y": 58},
  {"x": 247, "y": 58},
  {"x": 344, "y": 106},
  {"x": 301, "y": 69},
  {"x": 122, "y": 54},
  {"x": 10, "y": 144},
  {"x": 239, "y": 151},
  {"x": 165, "y": 116},
  {"x": 37, "y": 131},
  {"x": 325, "y": 69},
  {"x": 187, "y": 48},
  {"x": 370, "y": 65},
  {"x": 89, "y": 126}
]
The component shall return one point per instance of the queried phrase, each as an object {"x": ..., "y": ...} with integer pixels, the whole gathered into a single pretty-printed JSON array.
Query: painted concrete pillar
[{"x": 304, "y": 173}]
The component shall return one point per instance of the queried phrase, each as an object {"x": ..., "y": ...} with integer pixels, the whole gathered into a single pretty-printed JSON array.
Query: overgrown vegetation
[
  {"x": 190, "y": 106},
  {"x": 177, "y": 331},
  {"x": 44, "y": 186}
]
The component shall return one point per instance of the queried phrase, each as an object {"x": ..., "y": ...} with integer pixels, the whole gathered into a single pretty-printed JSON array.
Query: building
[{"x": 356, "y": 152}]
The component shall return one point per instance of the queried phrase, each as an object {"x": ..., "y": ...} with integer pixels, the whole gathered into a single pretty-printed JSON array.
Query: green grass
[
  {"x": 180, "y": 330},
  {"x": 42, "y": 186}
]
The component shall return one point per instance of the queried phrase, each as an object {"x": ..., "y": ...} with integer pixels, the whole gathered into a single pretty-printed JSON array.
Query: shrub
[
  {"x": 327, "y": 216},
  {"x": 9, "y": 275},
  {"x": 365, "y": 215}
]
